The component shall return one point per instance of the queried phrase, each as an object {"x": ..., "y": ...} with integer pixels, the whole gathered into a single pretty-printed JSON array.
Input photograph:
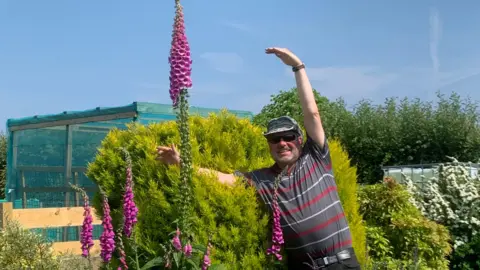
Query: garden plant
[
  {"x": 187, "y": 219},
  {"x": 452, "y": 198},
  {"x": 175, "y": 217}
]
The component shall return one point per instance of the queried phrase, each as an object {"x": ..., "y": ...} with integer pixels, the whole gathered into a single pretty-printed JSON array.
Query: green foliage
[
  {"x": 452, "y": 198},
  {"x": 239, "y": 224},
  {"x": 466, "y": 256},
  {"x": 397, "y": 229},
  {"x": 287, "y": 103},
  {"x": 376, "y": 135},
  {"x": 24, "y": 249},
  {"x": 221, "y": 142},
  {"x": 3, "y": 164},
  {"x": 346, "y": 179},
  {"x": 382, "y": 134}
]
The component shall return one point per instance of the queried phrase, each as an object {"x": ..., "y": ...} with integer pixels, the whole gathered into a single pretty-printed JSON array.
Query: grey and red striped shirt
[{"x": 312, "y": 216}]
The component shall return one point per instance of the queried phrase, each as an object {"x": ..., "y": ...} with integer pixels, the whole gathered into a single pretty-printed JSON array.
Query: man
[{"x": 313, "y": 222}]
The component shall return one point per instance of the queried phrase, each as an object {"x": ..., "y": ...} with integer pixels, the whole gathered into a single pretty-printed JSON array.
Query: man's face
[{"x": 284, "y": 147}]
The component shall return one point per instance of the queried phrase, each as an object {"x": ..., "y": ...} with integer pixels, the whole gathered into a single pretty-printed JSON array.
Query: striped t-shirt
[{"x": 312, "y": 217}]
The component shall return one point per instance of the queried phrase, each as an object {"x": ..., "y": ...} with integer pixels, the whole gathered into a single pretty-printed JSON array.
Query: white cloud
[
  {"x": 226, "y": 62},
  {"x": 435, "y": 36},
  {"x": 451, "y": 78},
  {"x": 237, "y": 26},
  {"x": 348, "y": 81},
  {"x": 420, "y": 77}
]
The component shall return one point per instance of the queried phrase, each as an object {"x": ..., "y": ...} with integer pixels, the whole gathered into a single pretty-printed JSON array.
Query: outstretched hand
[
  {"x": 168, "y": 155},
  {"x": 285, "y": 55}
]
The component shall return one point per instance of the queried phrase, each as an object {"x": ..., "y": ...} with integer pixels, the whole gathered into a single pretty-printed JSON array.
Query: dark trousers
[{"x": 309, "y": 264}]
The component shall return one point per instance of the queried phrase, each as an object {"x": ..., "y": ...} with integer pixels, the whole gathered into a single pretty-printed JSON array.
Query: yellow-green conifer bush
[
  {"x": 346, "y": 179},
  {"x": 232, "y": 214},
  {"x": 238, "y": 222}
]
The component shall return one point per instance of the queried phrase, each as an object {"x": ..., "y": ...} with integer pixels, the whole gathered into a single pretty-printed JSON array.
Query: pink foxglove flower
[
  {"x": 179, "y": 59},
  {"x": 176, "y": 241},
  {"x": 168, "y": 264},
  {"x": 277, "y": 234},
  {"x": 121, "y": 250},
  {"x": 130, "y": 210},
  {"x": 206, "y": 259},
  {"x": 86, "y": 236},
  {"x": 107, "y": 239},
  {"x": 187, "y": 250}
]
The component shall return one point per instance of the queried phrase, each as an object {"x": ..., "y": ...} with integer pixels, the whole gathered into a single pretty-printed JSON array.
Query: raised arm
[
  {"x": 311, "y": 115},
  {"x": 170, "y": 156}
]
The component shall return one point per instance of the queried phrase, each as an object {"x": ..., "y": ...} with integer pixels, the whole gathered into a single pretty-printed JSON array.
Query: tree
[
  {"x": 397, "y": 132},
  {"x": 287, "y": 103}
]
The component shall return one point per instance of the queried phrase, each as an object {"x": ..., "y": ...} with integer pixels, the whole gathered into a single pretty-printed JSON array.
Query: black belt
[{"x": 326, "y": 261}]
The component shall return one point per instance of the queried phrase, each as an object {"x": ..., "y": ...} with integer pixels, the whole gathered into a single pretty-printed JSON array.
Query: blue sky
[{"x": 58, "y": 55}]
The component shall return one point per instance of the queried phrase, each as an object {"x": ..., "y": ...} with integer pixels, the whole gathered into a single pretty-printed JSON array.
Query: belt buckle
[
  {"x": 343, "y": 255},
  {"x": 340, "y": 256}
]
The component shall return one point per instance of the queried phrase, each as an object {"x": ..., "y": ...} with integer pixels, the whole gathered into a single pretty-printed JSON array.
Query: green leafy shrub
[
  {"x": 69, "y": 261},
  {"x": 23, "y": 249},
  {"x": 466, "y": 256},
  {"x": 346, "y": 179},
  {"x": 398, "y": 231},
  {"x": 452, "y": 198},
  {"x": 221, "y": 142},
  {"x": 374, "y": 134},
  {"x": 239, "y": 224}
]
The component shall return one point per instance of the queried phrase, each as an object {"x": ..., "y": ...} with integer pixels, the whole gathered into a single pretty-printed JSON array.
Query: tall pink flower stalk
[
  {"x": 121, "y": 252},
  {"x": 206, "y": 258},
  {"x": 107, "y": 239},
  {"x": 277, "y": 234},
  {"x": 177, "y": 244},
  {"x": 179, "y": 59},
  {"x": 86, "y": 234},
  {"x": 130, "y": 210}
]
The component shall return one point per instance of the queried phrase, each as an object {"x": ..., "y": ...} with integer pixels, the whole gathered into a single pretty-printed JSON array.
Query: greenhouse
[
  {"x": 420, "y": 173},
  {"x": 47, "y": 153}
]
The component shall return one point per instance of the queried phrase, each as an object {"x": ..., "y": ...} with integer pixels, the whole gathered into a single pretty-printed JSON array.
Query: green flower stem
[{"x": 186, "y": 169}]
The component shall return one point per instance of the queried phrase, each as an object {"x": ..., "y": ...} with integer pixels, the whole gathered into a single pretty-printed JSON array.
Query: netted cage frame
[{"x": 57, "y": 161}]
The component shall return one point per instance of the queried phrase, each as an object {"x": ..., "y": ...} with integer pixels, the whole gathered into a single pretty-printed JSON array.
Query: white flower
[{"x": 452, "y": 198}]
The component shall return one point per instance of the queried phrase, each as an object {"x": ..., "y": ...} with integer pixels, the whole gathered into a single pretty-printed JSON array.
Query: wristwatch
[{"x": 297, "y": 68}]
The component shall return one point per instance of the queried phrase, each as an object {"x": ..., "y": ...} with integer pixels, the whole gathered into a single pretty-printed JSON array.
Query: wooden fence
[{"x": 50, "y": 217}]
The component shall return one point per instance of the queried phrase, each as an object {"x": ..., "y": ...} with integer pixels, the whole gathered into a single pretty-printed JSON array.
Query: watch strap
[{"x": 297, "y": 68}]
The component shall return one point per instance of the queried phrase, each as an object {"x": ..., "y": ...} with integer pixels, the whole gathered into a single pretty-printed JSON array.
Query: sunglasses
[{"x": 285, "y": 138}]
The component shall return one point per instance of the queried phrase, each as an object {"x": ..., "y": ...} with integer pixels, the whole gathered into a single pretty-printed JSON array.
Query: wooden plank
[
  {"x": 75, "y": 121},
  {"x": 75, "y": 247},
  {"x": 52, "y": 217},
  {"x": 6, "y": 212}
]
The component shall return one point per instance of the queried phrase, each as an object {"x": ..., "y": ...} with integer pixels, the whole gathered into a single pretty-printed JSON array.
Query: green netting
[
  {"x": 40, "y": 148},
  {"x": 70, "y": 115}
]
